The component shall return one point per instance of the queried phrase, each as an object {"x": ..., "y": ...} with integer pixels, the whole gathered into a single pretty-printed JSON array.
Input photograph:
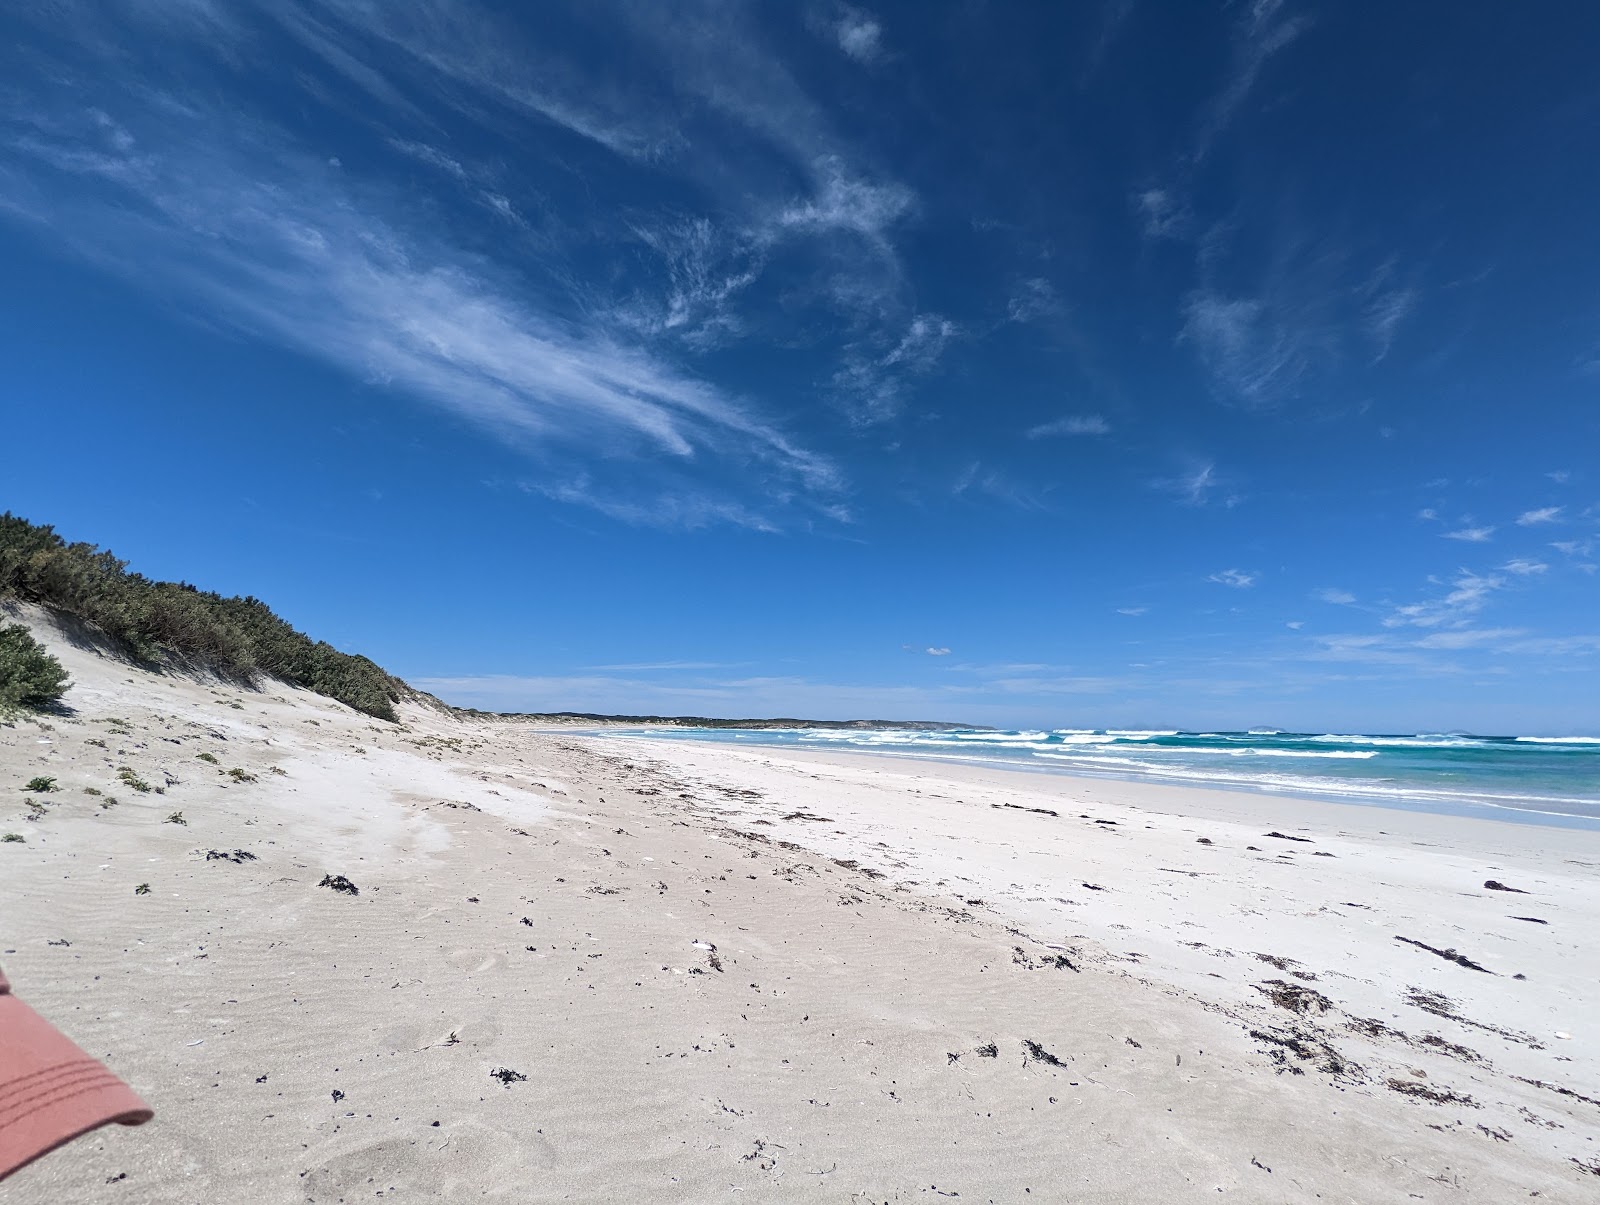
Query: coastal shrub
[
  {"x": 41, "y": 784},
  {"x": 238, "y": 637},
  {"x": 29, "y": 675},
  {"x": 127, "y": 777}
]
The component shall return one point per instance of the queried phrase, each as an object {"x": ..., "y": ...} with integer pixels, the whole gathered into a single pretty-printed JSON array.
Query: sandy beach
[{"x": 609, "y": 968}]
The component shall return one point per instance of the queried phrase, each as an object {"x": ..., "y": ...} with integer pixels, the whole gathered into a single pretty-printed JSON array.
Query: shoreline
[
  {"x": 631, "y": 968},
  {"x": 1463, "y": 806}
]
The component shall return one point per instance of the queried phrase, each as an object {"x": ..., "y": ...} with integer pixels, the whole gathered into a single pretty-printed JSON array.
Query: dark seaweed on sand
[
  {"x": 1032, "y": 1052},
  {"x": 1437, "y": 1096},
  {"x": 339, "y": 883},
  {"x": 1450, "y": 955}
]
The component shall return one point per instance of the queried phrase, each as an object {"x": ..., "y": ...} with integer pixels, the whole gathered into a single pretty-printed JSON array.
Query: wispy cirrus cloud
[
  {"x": 1468, "y": 594},
  {"x": 1033, "y": 299},
  {"x": 1471, "y": 534},
  {"x": 1339, "y": 598},
  {"x": 1524, "y": 567},
  {"x": 1254, "y": 349},
  {"x": 1199, "y": 485},
  {"x": 1545, "y": 514},
  {"x": 1071, "y": 424},
  {"x": 873, "y": 382},
  {"x": 232, "y": 217},
  {"x": 1262, "y": 31},
  {"x": 1237, "y": 578},
  {"x": 1161, "y": 214}
]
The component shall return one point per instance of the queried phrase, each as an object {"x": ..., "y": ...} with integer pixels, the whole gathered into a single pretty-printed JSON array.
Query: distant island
[{"x": 701, "y": 721}]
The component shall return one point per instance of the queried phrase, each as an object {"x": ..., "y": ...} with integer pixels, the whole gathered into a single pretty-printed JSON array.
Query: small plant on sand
[
  {"x": 110, "y": 801},
  {"x": 93, "y": 791},
  {"x": 35, "y": 809},
  {"x": 176, "y": 818},
  {"x": 210, "y": 757},
  {"x": 41, "y": 784},
  {"x": 142, "y": 889},
  {"x": 277, "y": 770},
  {"x": 12, "y": 838},
  {"x": 29, "y": 676},
  {"x": 239, "y": 775},
  {"x": 128, "y": 778},
  {"x": 96, "y": 741}
]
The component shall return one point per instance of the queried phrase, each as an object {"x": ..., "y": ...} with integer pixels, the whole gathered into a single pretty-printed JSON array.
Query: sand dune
[{"x": 608, "y": 969}]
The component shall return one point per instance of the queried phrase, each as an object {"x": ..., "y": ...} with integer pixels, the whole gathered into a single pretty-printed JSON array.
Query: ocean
[{"x": 1531, "y": 779}]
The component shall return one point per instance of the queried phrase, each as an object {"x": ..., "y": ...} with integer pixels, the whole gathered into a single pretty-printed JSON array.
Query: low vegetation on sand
[
  {"x": 237, "y": 637},
  {"x": 29, "y": 675}
]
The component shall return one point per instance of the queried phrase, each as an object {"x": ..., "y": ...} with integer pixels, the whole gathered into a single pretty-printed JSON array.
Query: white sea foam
[
  {"x": 1560, "y": 740},
  {"x": 1403, "y": 742}
]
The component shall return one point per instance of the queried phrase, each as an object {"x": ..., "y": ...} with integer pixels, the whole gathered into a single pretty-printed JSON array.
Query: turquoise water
[{"x": 1537, "y": 780}]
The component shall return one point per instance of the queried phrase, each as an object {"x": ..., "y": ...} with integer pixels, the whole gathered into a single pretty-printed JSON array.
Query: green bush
[
  {"x": 239, "y": 637},
  {"x": 41, "y": 784},
  {"x": 29, "y": 675}
]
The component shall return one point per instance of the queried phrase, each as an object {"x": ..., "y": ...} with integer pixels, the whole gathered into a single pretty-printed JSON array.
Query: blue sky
[{"x": 1098, "y": 364}]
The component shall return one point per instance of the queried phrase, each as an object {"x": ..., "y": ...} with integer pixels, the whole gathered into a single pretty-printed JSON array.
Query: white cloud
[
  {"x": 1253, "y": 349},
  {"x": 1524, "y": 568},
  {"x": 937, "y": 652},
  {"x": 1471, "y": 535},
  {"x": 1035, "y": 298},
  {"x": 876, "y": 384},
  {"x": 1195, "y": 487},
  {"x": 860, "y": 35},
  {"x": 1132, "y": 610},
  {"x": 1545, "y": 514},
  {"x": 1559, "y": 476},
  {"x": 299, "y": 258},
  {"x": 844, "y": 201},
  {"x": 1072, "y": 424},
  {"x": 1295, "y": 624},
  {"x": 1340, "y": 598},
  {"x": 1428, "y": 513},
  {"x": 1258, "y": 35},
  {"x": 1161, "y": 214},
  {"x": 1468, "y": 595},
  {"x": 1237, "y": 578},
  {"x": 1384, "y": 315}
]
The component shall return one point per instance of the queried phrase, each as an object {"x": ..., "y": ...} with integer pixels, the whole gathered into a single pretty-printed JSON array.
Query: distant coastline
[{"x": 591, "y": 719}]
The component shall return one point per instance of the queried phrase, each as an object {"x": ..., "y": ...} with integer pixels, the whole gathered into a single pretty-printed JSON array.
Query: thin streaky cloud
[
  {"x": 1072, "y": 424},
  {"x": 1469, "y": 593},
  {"x": 1523, "y": 567},
  {"x": 1471, "y": 535},
  {"x": 1237, "y": 578},
  {"x": 300, "y": 259},
  {"x": 1339, "y": 598},
  {"x": 1262, "y": 32},
  {"x": 1134, "y": 611},
  {"x": 1545, "y": 514}
]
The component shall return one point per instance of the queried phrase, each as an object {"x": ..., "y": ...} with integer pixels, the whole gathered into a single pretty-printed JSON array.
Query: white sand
[{"x": 808, "y": 1055}]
